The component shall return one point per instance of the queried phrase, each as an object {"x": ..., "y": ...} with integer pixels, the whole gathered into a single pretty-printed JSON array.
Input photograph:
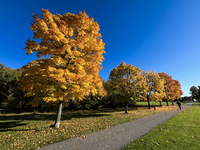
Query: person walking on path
[{"x": 179, "y": 104}]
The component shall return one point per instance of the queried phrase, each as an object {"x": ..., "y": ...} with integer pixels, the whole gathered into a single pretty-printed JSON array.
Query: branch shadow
[{"x": 4, "y": 126}]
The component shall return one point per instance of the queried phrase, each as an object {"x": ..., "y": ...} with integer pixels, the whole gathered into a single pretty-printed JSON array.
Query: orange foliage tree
[
  {"x": 70, "y": 56},
  {"x": 177, "y": 89},
  {"x": 172, "y": 88}
]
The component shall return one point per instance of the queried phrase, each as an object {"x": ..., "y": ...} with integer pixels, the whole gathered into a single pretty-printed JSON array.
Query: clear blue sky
[{"x": 157, "y": 35}]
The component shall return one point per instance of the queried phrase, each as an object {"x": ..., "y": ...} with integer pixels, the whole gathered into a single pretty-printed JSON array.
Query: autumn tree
[
  {"x": 177, "y": 89},
  {"x": 69, "y": 48},
  {"x": 91, "y": 101},
  {"x": 172, "y": 88},
  {"x": 169, "y": 87},
  {"x": 127, "y": 83},
  {"x": 155, "y": 86},
  {"x": 194, "y": 91}
]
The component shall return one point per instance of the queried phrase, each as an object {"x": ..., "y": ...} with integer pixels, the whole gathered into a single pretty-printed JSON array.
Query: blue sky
[{"x": 156, "y": 35}]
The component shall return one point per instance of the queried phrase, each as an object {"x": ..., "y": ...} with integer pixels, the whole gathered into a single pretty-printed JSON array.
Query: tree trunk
[
  {"x": 167, "y": 103},
  {"x": 160, "y": 103},
  {"x": 148, "y": 101},
  {"x": 126, "y": 109},
  {"x": 24, "y": 102},
  {"x": 58, "y": 115}
]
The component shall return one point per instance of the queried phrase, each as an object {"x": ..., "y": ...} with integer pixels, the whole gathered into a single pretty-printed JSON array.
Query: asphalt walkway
[{"x": 116, "y": 137}]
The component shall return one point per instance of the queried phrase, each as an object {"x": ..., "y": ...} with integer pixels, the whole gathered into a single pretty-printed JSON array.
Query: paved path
[{"x": 115, "y": 138}]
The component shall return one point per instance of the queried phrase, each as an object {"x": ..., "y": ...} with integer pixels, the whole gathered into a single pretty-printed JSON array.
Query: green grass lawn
[
  {"x": 151, "y": 103},
  {"x": 179, "y": 133},
  {"x": 156, "y": 103},
  {"x": 31, "y": 131}
]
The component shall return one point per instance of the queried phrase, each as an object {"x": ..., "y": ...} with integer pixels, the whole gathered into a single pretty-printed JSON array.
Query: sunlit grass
[
  {"x": 154, "y": 103},
  {"x": 180, "y": 132},
  {"x": 31, "y": 131},
  {"x": 157, "y": 103}
]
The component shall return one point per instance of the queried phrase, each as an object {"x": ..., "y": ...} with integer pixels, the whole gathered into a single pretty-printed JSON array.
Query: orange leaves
[
  {"x": 31, "y": 46},
  {"x": 172, "y": 87},
  {"x": 50, "y": 69}
]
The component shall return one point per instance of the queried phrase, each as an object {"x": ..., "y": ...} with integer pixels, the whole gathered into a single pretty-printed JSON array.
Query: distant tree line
[
  {"x": 126, "y": 85},
  {"x": 195, "y": 92}
]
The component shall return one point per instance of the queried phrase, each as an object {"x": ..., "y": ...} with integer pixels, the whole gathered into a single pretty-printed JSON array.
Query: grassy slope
[{"x": 180, "y": 132}]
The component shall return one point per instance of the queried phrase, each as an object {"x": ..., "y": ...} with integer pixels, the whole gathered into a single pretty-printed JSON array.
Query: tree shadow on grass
[
  {"x": 15, "y": 120},
  {"x": 11, "y": 124},
  {"x": 65, "y": 116},
  {"x": 4, "y": 126},
  {"x": 80, "y": 115}
]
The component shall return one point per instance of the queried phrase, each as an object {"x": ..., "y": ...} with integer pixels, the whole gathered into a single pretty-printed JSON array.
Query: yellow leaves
[
  {"x": 50, "y": 69},
  {"x": 155, "y": 85},
  {"x": 64, "y": 40},
  {"x": 48, "y": 99},
  {"x": 68, "y": 49},
  {"x": 75, "y": 50},
  {"x": 60, "y": 98},
  {"x": 64, "y": 87},
  {"x": 126, "y": 81},
  {"x": 71, "y": 32}
]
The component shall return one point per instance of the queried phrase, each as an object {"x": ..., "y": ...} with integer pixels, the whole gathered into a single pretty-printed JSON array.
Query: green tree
[
  {"x": 10, "y": 96},
  {"x": 194, "y": 91},
  {"x": 6, "y": 79},
  {"x": 111, "y": 96}
]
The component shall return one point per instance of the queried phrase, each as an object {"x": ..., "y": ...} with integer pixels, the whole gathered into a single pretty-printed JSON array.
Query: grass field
[
  {"x": 155, "y": 103},
  {"x": 151, "y": 103},
  {"x": 181, "y": 132},
  {"x": 31, "y": 131}
]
